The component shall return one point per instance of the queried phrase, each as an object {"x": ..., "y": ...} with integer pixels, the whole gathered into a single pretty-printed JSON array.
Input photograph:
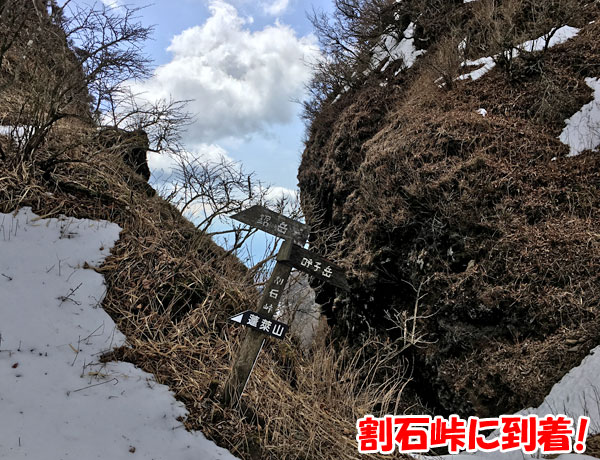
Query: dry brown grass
[
  {"x": 593, "y": 446},
  {"x": 171, "y": 290},
  {"x": 504, "y": 239}
]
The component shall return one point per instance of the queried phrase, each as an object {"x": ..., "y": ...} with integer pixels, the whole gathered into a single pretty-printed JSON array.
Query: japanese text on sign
[
  {"x": 316, "y": 267},
  {"x": 271, "y": 307},
  {"x": 274, "y": 328},
  {"x": 529, "y": 433},
  {"x": 265, "y": 220},
  {"x": 274, "y": 223}
]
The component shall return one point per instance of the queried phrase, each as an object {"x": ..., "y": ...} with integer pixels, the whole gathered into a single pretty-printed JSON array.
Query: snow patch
[
  {"x": 344, "y": 90},
  {"x": 486, "y": 64},
  {"x": 561, "y": 35},
  {"x": 578, "y": 393},
  {"x": 393, "y": 49},
  {"x": 57, "y": 399},
  {"x": 582, "y": 130},
  {"x": 15, "y": 131}
]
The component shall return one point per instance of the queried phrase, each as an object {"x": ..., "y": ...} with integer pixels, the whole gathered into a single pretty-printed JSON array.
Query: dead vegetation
[
  {"x": 485, "y": 213},
  {"x": 170, "y": 289},
  {"x": 475, "y": 254}
]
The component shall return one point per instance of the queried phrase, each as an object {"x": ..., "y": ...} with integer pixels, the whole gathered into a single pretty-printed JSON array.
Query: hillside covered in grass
[
  {"x": 169, "y": 288},
  {"x": 452, "y": 165},
  {"x": 451, "y": 168}
]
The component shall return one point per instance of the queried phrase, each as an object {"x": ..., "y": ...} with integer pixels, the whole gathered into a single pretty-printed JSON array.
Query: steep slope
[
  {"x": 470, "y": 235},
  {"x": 169, "y": 287},
  {"x": 53, "y": 334}
]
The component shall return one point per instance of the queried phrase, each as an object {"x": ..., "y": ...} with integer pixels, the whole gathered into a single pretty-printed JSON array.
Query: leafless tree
[
  {"x": 107, "y": 42},
  {"x": 347, "y": 38},
  {"x": 209, "y": 191},
  {"x": 498, "y": 28},
  {"x": 162, "y": 120},
  {"x": 74, "y": 60},
  {"x": 354, "y": 26}
]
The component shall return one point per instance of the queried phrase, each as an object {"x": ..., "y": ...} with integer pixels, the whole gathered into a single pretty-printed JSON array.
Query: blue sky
[{"x": 243, "y": 62}]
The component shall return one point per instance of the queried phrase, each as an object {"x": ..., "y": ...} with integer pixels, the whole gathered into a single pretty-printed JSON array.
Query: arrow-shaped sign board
[
  {"x": 274, "y": 223},
  {"x": 314, "y": 265},
  {"x": 261, "y": 323}
]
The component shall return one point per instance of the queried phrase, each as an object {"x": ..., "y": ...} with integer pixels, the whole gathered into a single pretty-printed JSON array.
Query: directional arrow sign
[
  {"x": 274, "y": 223},
  {"x": 261, "y": 323},
  {"x": 314, "y": 265}
]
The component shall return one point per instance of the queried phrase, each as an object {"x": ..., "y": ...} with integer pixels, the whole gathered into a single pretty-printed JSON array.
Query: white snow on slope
[
  {"x": 582, "y": 130},
  {"x": 56, "y": 400},
  {"x": 391, "y": 49},
  {"x": 578, "y": 393},
  {"x": 394, "y": 49},
  {"x": 562, "y": 35},
  {"x": 18, "y": 131},
  {"x": 485, "y": 64}
]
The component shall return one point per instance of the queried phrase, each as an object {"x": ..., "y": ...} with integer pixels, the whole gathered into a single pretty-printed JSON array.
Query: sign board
[
  {"x": 274, "y": 223},
  {"x": 314, "y": 265},
  {"x": 261, "y": 323},
  {"x": 290, "y": 255}
]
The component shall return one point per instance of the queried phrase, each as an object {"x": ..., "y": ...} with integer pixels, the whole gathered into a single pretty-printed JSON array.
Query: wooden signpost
[
  {"x": 261, "y": 323},
  {"x": 274, "y": 223}
]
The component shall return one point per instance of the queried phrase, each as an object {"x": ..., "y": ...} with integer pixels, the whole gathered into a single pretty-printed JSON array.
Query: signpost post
[{"x": 261, "y": 323}]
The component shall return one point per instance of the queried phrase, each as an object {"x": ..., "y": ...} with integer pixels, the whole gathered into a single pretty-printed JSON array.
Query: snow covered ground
[
  {"x": 393, "y": 49},
  {"x": 582, "y": 130},
  {"x": 578, "y": 393},
  {"x": 57, "y": 402}
]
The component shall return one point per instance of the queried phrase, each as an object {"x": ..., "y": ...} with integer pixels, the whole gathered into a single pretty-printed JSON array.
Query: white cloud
[
  {"x": 241, "y": 81},
  {"x": 276, "y": 7},
  {"x": 277, "y": 193},
  {"x": 164, "y": 165},
  {"x": 112, "y": 3}
]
